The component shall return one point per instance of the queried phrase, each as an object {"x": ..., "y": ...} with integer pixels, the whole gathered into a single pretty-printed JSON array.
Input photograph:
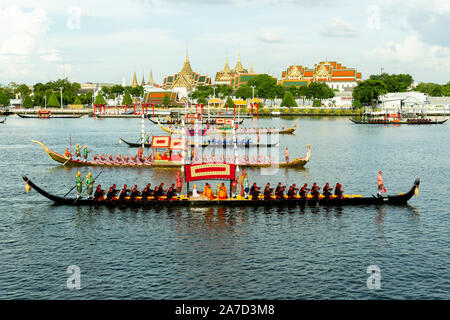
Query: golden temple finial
[
  {"x": 135, "y": 83},
  {"x": 251, "y": 69},
  {"x": 226, "y": 69},
  {"x": 143, "y": 81},
  {"x": 186, "y": 70},
  {"x": 150, "y": 79}
]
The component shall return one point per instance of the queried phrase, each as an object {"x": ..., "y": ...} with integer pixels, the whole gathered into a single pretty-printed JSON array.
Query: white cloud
[
  {"x": 337, "y": 27},
  {"x": 20, "y": 33},
  {"x": 50, "y": 55},
  {"x": 413, "y": 56},
  {"x": 270, "y": 36}
]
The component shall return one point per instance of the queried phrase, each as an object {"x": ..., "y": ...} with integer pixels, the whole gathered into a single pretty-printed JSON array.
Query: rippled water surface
[{"x": 229, "y": 253}]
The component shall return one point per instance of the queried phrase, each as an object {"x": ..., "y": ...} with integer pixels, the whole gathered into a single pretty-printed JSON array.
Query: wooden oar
[
  {"x": 70, "y": 191},
  {"x": 66, "y": 161}
]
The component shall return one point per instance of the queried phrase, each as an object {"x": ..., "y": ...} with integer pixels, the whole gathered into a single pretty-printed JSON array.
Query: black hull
[
  {"x": 3, "y": 121},
  {"x": 400, "y": 122},
  {"x": 391, "y": 200},
  {"x": 49, "y": 117},
  {"x": 204, "y": 145}
]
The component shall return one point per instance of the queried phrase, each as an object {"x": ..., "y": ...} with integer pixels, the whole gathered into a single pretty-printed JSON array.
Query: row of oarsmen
[
  {"x": 269, "y": 193},
  {"x": 134, "y": 193},
  {"x": 172, "y": 192}
]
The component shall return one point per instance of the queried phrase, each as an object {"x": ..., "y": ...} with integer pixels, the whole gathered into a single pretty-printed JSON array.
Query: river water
[{"x": 229, "y": 253}]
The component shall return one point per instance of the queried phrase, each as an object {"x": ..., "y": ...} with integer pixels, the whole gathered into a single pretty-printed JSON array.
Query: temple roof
[
  {"x": 239, "y": 68},
  {"x": 323, "y": 71}
]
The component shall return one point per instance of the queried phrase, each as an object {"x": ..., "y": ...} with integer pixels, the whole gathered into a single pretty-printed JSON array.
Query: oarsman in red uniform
[
  {"x": 327, "y": 191},
  {"x": 124, "y": 192},
  {"x": 338, "y": 191},
  {"x": 99, "y": 193},
  {"x": 139, "y": 155},
  {"x": 380, "y": 183},
  {"x": 111, "y": 193},
  {"x": 315, "y": 191},
  {"x": 179, "y": 182},
  {"x": 134, "y": 192},
  {"x": 286, "y": 155},
  {"x": 303, "y": 191}
]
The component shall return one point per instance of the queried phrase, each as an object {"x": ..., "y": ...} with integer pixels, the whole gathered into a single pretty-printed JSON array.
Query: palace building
[
  {"x": 186, "y": 80},
  {"x": 334, "y": 74},
  {"x": 235, "y": 77}
]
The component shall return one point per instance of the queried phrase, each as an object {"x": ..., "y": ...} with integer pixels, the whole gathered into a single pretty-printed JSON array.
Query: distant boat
[
  {"x": 246, "y": 144},
  {"x": 46, "y": 114},
  {"x": 398, "y": 121}
]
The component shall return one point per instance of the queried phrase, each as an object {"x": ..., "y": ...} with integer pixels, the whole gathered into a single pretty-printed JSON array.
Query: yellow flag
[{"x": 27, "y": 187}]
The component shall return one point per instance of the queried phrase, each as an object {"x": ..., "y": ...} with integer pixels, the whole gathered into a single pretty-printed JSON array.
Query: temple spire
[
  {"x": 186, "y": 70},
  {"x": 150, "y": 79},
  {"x": 226, "y": 69},
  {"x": 135, "y": 83},
  {"x": 251, "y": 69},
  {"x": 143, "y": 81}
]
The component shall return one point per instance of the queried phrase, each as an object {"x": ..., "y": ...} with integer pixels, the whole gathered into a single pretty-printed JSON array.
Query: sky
[{"x": 104, "y": 41}]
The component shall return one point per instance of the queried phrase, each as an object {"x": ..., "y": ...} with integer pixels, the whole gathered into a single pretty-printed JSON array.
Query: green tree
[
  {"x": 6, "y": 93},
  {"x": 28, "y": 102},
  {"x": 229, "y": 102},
  {"x": 137, "y": 92},
  {"x": 305, "y": 93},
  {"x": 23, "y": 90},
  {"x": 127, "y": 99},
  {"x": 432, "y": 89},
  {"x": 223, "y": 90},
  {"x": 264, "y": 84},
  {"x": 319, "y": 90},
  {"x": 288, "y": 100},
  {"x": 202, "y": 100},
  {"x": 316, "y": 103},
  {"x": 446, "y": 89},
  {"x": 166, "y": 100},
  {"x": 244, "y": 92},
  {"x": 394, "y": 82},
  {"x": 77, "y": 101},
  {"x": 276, "y": 92},
  {"x": 117, "y": 90},
  {"x": 4, "y": 98},
  {"x": 368, "y": 91},
  {"x": 53, "y": 101},
  {"x": 202, "y": 92},
  {"x": 99, "y": 99}
]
